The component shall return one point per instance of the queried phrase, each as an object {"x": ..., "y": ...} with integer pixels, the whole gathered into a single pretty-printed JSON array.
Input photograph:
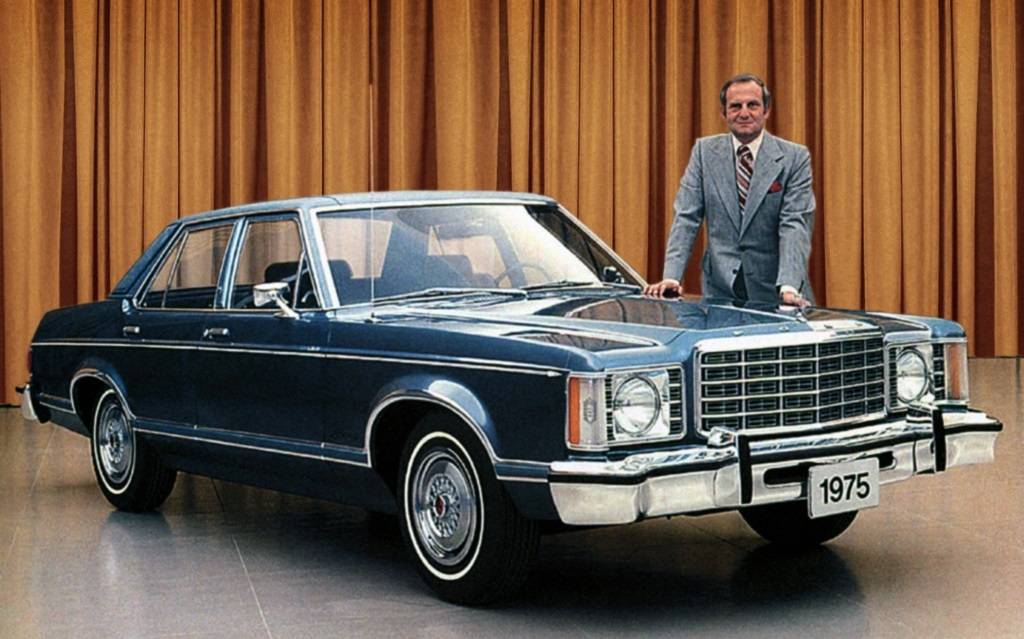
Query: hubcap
[
  {"x": 444, "y": 507},
  {"x": 116, "y": 444}
]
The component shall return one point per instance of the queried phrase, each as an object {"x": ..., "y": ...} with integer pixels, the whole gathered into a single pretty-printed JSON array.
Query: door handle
[
  {"x": 130, "y": 330},
  {"x": 212, "y": 333}
]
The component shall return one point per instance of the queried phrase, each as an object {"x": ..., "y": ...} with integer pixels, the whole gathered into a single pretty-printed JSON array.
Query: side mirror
[
  {"x": 611, "y": 274},
  {"x": 273, "y": 292}
]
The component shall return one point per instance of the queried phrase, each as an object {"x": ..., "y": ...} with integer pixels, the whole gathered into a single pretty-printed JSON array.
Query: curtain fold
[{"x": 117, "y": 116}]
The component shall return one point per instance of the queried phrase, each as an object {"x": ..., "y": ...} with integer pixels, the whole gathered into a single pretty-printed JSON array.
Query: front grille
[
  {"x": 793, "y": 385},
  {"x": 939, "y": 372}
]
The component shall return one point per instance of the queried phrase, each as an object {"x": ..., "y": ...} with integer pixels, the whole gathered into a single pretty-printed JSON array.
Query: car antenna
[{"x": 369, "y": 135}]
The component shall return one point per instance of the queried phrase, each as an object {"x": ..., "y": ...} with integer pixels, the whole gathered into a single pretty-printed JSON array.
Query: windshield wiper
[
  {"x": 563, "y": 284},
  {"x": 451, "y": 292}
]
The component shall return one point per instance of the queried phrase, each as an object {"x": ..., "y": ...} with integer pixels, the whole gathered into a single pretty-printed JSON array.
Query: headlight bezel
[
  {"x": 590, "y": 415},
  {"x": 948, "y": 384}
]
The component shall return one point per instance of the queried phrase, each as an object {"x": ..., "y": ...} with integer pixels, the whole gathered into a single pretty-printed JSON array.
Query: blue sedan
[{"x": 483, "y": 366}]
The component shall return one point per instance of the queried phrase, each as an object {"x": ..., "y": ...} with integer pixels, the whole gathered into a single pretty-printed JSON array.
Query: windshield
[{"x": 400, "y": 251}]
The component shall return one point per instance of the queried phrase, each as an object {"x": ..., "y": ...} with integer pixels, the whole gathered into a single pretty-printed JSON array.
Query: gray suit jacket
[{"x": 771, "y": 238}]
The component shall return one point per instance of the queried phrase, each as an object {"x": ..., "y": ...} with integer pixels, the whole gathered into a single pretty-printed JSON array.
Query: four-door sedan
[{"x": 483, "y": 366}]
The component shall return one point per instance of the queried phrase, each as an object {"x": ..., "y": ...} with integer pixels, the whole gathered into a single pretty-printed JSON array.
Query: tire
[
  {"x": 787, "y": 524},
  {"x": 128, "y": 470},
  {"x": 469, "y": 542}
]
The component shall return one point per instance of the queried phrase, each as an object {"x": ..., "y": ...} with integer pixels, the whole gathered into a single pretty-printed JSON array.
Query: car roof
[{"x": 376, "y": 198}]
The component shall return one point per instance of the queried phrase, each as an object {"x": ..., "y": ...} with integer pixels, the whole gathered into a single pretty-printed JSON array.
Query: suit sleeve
[
  {"x": 688, "y": 210},
  {"x": 796, "y": 224}
]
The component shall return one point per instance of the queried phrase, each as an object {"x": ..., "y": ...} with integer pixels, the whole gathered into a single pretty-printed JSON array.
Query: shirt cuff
[{"x": 786, "y": 288}]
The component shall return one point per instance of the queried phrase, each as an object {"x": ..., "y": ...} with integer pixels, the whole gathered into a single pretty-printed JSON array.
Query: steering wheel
[{"x": 521, "y": 267}]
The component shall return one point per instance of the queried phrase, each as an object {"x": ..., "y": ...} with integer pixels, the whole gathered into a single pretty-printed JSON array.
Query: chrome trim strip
[
  {"x": 461, "y": 362},
  {"x": 425, "y": 396},
  {"x": 60, "y": 408},
  {"x": 597, "y": 240},
  {"x": 103, "y": 377},
  {"x": 318, "y": 258},
  {"x": 397, "y": 396},
  {"x": 520, "y": 478},
  {"x": 262, "y": 449},
  {"x": 404, "y": 204}
]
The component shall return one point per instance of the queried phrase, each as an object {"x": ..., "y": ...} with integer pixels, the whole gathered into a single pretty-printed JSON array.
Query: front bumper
[{"x": 739, "y": 470}]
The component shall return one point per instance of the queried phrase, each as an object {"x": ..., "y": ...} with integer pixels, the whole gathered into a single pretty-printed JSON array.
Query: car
[{"x": 484, "y": 367}]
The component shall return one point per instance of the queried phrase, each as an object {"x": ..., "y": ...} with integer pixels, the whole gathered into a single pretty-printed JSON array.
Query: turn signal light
[
  {"x": 585, "y": 429},
  {"x": 957, "y": 385}
]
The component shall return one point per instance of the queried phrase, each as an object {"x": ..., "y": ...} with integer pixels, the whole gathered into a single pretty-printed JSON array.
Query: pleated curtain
[{"x": 117, "y": 116}]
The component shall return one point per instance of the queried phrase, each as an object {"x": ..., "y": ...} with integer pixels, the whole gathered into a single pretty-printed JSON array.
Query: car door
[
  {"x": 164, "y": 323},
  {"x": 259, "y": 370}
]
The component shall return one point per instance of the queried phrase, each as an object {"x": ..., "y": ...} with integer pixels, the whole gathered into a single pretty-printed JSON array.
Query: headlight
[
  {"x": 636, "y": 406},
  {"x": 911, "y": 376},
  {"x": 623, "y": 408}
]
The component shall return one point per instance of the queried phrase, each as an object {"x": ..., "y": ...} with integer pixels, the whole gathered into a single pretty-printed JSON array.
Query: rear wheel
[
  {"x": 470, "y": 543},
  {"x": 128, "y": 470},
  {"x": 788, "y": 524}
]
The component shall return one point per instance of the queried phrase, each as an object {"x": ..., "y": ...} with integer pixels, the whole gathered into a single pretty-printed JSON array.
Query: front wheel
[
  {"x": 128, "y": 470},
  {"x": 788, "y": 524},
  {"x": 470, "y": 543}
]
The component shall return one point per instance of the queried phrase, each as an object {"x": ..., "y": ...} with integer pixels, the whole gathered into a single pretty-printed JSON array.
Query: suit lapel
[
  {"x": 766, "y": 169},
  {"x": 723, "y": 172}
]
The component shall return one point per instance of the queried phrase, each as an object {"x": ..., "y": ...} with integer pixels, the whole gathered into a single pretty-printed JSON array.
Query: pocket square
[{"x": 775, "y": 187}]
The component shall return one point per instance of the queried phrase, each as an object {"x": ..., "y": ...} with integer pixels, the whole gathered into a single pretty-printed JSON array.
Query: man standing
[{"x": 755, "y": 191}]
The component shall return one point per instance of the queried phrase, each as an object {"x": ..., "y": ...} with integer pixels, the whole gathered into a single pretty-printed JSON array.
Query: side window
[
  {"x": 188, "y": 276},
  {"x": 272, "y": 252}
]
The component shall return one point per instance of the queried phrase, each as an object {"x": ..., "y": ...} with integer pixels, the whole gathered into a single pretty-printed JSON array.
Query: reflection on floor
[{"x": 942, "y": 556}]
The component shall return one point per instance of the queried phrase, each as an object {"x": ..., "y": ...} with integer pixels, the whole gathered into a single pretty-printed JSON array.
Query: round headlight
[
  {"x": 636, "y": 406},
  {"x": 911, "y": 376}
]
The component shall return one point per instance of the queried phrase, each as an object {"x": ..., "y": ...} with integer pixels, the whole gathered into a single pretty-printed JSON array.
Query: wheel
[
  {"x": 128, "y": 470},
  {"x": 788, "y": 524},
  {"x": 468, "y": 541}
]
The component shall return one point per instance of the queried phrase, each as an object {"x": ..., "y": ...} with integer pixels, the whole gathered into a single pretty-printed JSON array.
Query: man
[{"x": 755, "y": 191}]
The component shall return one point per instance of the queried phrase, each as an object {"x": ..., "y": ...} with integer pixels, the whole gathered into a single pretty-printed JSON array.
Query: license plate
[{"x": 839, "y": 488}]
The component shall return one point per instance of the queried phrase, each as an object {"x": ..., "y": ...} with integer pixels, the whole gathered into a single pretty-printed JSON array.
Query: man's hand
[
  {"x": 665, "y": 288},
  {"x": 792, "y": 298}
]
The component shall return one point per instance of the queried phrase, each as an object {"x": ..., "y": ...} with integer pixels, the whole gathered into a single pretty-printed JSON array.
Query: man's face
[{"x": 744, "y": 110}]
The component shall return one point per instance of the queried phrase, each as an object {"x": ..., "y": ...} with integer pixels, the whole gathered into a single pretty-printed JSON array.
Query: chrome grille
[
  {"x": 791, "y": 385},
  {"x": 939, "y": 372}
]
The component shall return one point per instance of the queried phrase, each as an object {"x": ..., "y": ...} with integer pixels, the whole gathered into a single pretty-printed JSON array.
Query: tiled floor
[{"x": 942, "y": 556}]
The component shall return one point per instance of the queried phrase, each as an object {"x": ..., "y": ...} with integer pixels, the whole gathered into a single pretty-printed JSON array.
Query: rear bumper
[
  {"x": 760, "y": 468},
  {"x": 28, "y": 411}
]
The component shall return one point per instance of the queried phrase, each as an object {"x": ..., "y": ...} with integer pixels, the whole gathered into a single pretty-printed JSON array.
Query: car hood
[{"x": 603, "y": 321}]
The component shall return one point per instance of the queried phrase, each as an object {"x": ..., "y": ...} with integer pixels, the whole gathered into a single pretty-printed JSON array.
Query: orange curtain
[{"x": 117, "y": 116}]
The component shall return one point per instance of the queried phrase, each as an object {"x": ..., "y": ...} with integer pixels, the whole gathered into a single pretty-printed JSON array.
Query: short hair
[{"x": 766, "y": 95}]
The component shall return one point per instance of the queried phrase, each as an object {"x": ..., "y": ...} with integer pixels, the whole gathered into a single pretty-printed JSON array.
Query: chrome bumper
[
  {"x": 28, "y": 411},
  {"x": 762, "y": 467}
]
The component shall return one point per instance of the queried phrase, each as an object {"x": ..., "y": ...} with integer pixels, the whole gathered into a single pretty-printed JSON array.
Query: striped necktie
[{"x": 744, "y": 169}]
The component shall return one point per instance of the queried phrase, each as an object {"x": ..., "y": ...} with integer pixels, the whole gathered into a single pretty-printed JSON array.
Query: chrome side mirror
[
  {"x": 273, "y": 292},
  {"x": 612, "y": 274}
]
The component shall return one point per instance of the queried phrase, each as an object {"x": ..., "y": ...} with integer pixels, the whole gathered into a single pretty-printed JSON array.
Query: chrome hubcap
[
  {"x": 444, "y": 507},
  {"x": 116, "y": 444}
]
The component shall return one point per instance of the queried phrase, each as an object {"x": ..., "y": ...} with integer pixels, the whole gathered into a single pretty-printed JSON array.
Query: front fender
[{"x": 442, "y": 391}]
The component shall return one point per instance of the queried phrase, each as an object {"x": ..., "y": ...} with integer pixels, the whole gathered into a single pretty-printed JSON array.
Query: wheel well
[
  {"x": 87, "y": 392},
  {"x": 390, "y": 432}
]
